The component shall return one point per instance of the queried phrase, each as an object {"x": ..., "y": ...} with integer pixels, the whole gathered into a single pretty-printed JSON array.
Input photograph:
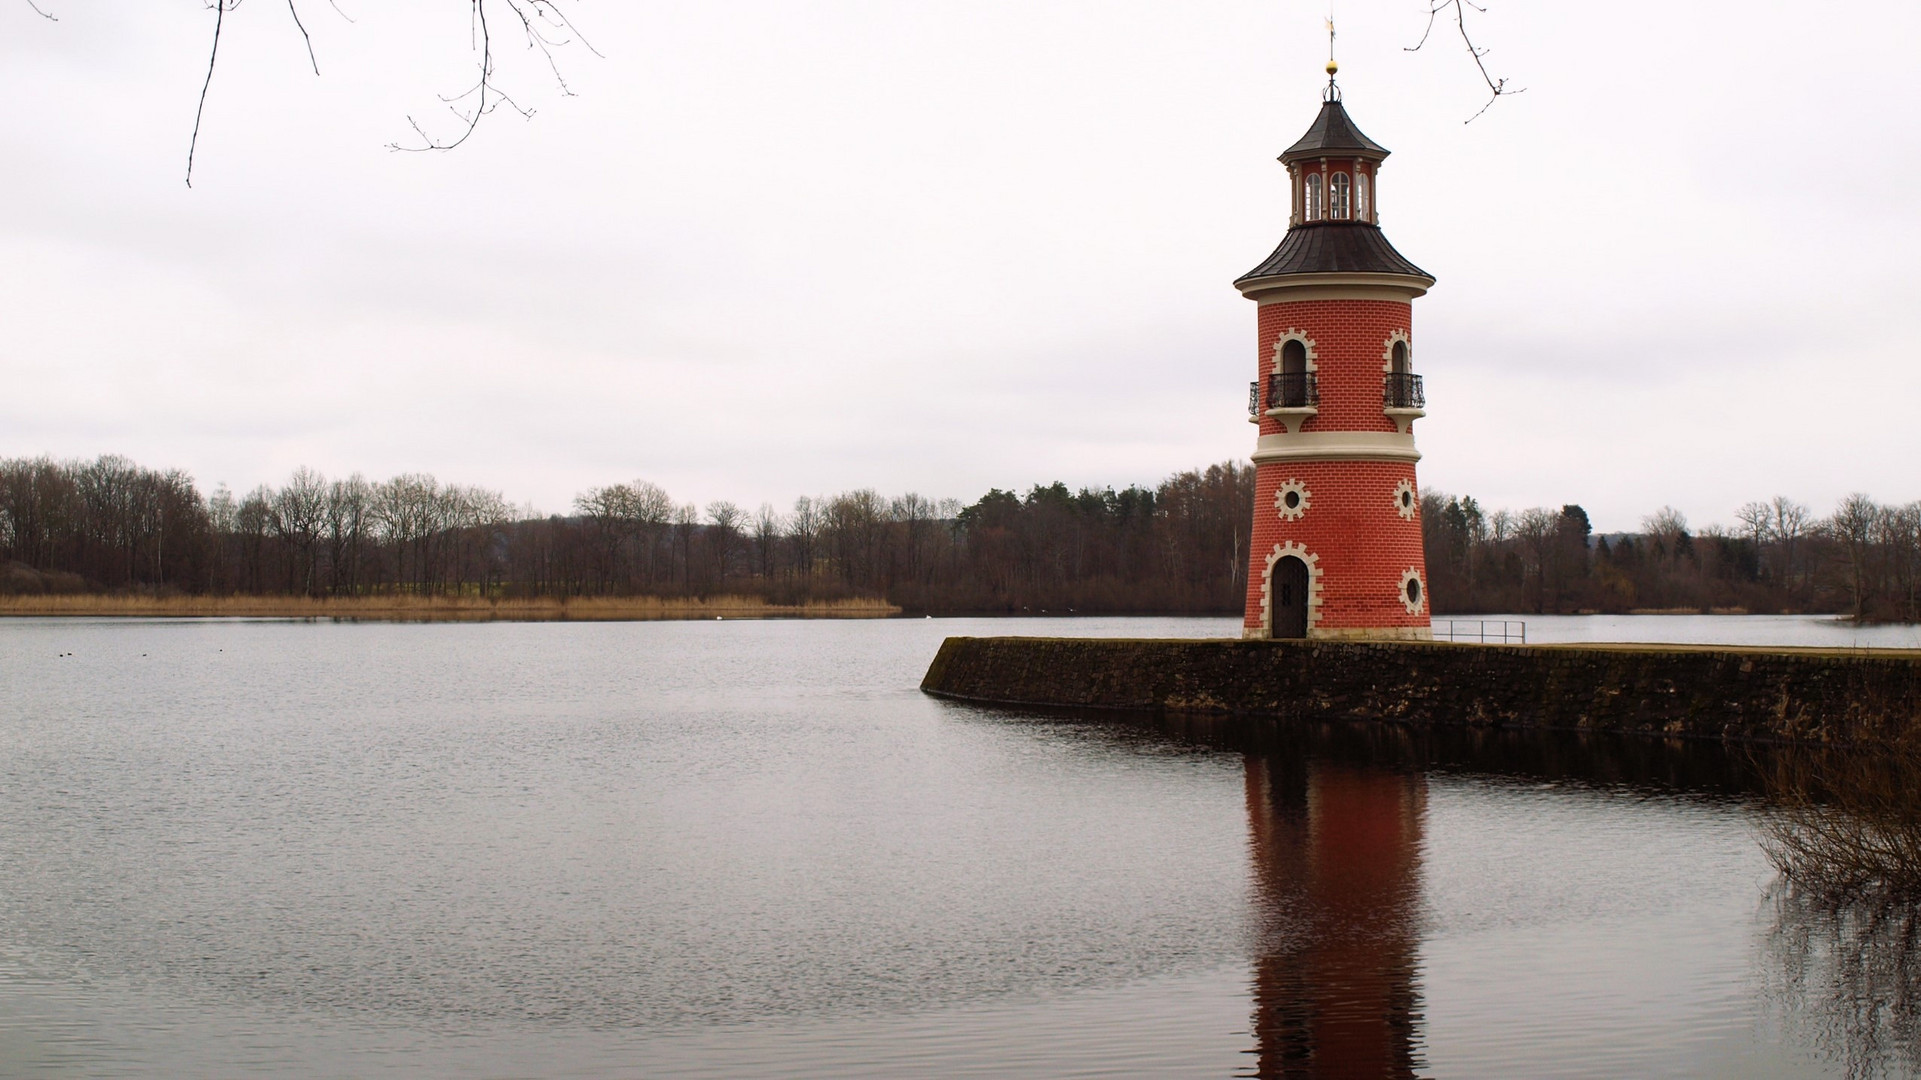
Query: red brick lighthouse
[{"x": 1336, "y": 546}]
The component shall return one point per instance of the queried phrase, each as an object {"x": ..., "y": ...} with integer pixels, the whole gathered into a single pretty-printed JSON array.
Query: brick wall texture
[{"x": 1362, "y": 546}]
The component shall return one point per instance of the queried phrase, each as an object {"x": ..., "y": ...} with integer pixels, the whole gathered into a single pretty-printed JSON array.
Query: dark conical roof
[
  {"x": 1334, "y": 247},
  {"x": 1333, "y": 133}
]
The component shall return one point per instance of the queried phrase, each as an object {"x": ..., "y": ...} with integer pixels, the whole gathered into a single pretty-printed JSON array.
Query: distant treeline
[
  {"x": 111, "y": 526},
  {"x": 1863, "y": 560}
]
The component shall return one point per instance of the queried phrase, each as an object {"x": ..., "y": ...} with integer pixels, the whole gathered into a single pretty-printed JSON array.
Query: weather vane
[{"x": 1333, "y": 92}]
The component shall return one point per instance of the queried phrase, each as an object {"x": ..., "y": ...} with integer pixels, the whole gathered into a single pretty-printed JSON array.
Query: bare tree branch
[
  {"x": 543, "y": 26},
  {"x": 295, "y": 12},
  {"x": 477, "y": 24},
  {"x": 47, "y": 15},
  {"x": 219, "y": 17},
  {"x": 1497, "y": 88}
]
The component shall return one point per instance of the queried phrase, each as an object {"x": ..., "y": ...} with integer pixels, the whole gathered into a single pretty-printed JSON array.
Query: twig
[
  {"x": 295, "y": 12},
  {"x": 219, "y": 16},
  {"x": 1497, "y": 88},
  {"x": 47, "y": 15},
  {"x": 478, "y": 25},
  {"x": 545, "y": 28}
]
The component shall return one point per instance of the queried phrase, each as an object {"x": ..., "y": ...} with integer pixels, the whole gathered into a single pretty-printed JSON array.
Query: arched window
[
  {"x": 1360, "y": 196},
  {"x": 1291, "y": 388},
  {"x": 1294, "y": 357},
  {"x": 1313, "y": 197},
  {"x": 1337, "y": 196},
  {"x": 1398, "y": 361}
]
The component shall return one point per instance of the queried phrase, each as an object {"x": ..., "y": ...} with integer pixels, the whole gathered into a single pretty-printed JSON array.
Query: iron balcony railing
[
  {"x": 1254, "y": 398},
  {"x": 1401, "y": 391},
  {"x": 1292, "y": 390}
]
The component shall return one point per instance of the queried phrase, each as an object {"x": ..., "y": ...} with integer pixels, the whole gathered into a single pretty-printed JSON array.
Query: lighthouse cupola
[
  {"x": 1337, "y": 548},
  {"x": 1331, "y": 170}
]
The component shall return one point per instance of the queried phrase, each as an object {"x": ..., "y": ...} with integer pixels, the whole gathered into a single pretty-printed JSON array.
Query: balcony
[
  {"x": 1292, "y": 397},
  {"x": 1403, "y": 392},
  {"x": 1403, "y": 399},
  {"x": 1293, "y": 390}
]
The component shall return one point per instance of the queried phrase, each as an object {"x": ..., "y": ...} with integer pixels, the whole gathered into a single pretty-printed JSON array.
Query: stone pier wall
[{"x": 1774, "y": 694}]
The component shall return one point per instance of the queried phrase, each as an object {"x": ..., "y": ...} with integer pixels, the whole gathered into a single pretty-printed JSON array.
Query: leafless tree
[
  {"x": 767, "y": 533},
  {"x": 251, "y": 524},
  {"x": 1900, "y": 537},
  {"x": 1853, "y": 526},
  {"x": 404, "y": 512},
  {"x": 1789, "y": 526},
  {"x": 686, "y": 521},
  {"x": 346, "y": 518},
  {"x": 916, "y": 515},
  {"x": 1536, "y": 532},
  {"x": 724, "y": 536},
  {"x": 1667, "y": 526},
  {"x": 803, "y": 528},
  {"x": 298, "y": 510},
  {"x": 1501, "y": 526}
]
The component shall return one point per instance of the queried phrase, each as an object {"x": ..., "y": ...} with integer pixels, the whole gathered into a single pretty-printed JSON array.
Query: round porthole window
[
  {"x": 1413, "y": 594},
  {"x": 1291, "y": 500},
  {"x": 1406, "y": 502}
]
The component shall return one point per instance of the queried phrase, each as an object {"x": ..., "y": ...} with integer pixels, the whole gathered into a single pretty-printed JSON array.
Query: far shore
[{"x": 442, "y": 608}]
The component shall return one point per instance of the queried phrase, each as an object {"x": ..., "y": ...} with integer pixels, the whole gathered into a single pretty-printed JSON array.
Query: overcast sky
[{"x": 773, "y": 248}]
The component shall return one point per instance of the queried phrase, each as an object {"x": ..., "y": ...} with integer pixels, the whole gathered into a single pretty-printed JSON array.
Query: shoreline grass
[{"x": 442, "y": 608}]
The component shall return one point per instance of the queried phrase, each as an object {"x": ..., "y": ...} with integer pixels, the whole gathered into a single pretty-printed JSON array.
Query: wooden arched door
[{"x": 1288, "y": 597}]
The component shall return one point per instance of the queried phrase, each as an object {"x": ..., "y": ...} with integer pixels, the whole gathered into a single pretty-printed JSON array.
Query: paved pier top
[{"x": 1803, "y": 695}]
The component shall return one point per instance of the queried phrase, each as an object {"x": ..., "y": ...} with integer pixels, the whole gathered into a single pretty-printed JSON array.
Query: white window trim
[
  {"x": 1313, "y": 562},
  {"x": 1292, "y": 334},
  {"x": 1387, "y": 352}
]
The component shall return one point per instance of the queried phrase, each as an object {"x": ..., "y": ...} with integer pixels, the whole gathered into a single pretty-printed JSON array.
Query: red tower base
[{"x": 1355, "y": 530}]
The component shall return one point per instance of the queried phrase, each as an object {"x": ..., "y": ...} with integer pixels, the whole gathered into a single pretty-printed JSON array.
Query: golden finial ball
[{"x": 1332, "y": 67}]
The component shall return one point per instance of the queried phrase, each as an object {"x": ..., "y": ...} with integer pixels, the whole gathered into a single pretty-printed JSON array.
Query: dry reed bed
[{"x": 601, "y": 608}]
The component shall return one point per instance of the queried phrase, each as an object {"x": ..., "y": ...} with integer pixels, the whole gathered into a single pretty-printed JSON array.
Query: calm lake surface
[{"x": 730, "y": 849}]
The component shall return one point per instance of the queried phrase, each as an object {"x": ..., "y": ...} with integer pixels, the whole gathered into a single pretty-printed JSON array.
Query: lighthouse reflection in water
[{"x": 1336, "y": 863}]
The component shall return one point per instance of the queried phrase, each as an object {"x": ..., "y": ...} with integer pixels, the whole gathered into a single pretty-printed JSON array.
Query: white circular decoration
[
  {"x": 1413, "y": 591},
  {"x": 1291, "y": 500},
  {"x": 1407, "y": 502}
]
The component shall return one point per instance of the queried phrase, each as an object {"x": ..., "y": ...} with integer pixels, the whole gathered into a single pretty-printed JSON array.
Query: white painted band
[
  {"x": 1336, "y": 446},
  {"x": 1291, "y": 288}
]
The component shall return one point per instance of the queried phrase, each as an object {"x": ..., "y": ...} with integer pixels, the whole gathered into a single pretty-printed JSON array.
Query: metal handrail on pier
[{"x": 1484, "y": 631}]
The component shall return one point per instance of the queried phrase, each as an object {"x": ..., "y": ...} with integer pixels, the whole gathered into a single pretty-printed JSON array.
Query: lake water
[{"x": 734, "y": 849}]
